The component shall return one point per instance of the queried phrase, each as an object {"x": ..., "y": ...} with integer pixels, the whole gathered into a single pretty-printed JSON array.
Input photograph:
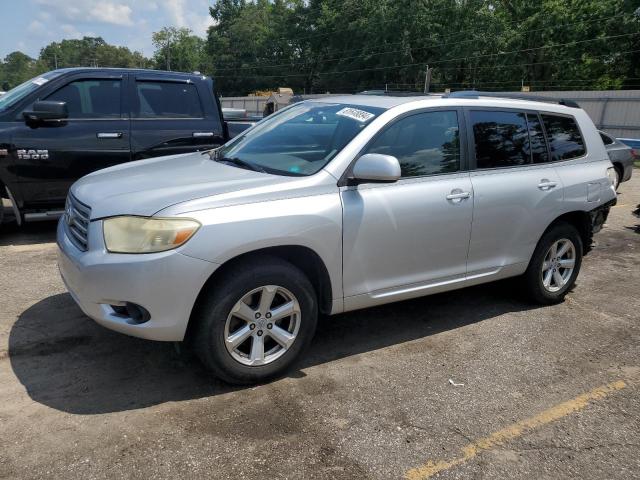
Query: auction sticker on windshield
[
  {"x": 39, "y": 81},
  {"x": 355, "y": 114}
]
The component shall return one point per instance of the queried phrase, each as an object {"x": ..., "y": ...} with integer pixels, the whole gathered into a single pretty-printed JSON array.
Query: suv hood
[{"x": 145, "y": 187}]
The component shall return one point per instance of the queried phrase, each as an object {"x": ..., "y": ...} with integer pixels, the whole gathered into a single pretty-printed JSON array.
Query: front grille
[{"x": 76, "y": 219}]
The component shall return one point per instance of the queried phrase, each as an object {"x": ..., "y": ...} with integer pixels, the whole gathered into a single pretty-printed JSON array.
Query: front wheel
[
  {"x": 555, "y": 264},
  {"x": 256, "y": 321}
]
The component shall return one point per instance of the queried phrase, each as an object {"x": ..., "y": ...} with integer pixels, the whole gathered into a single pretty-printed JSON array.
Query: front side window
[
  {"x": 501, "y": 138},
  {"x": 565, "y": 140},
  {"x": 299, "y": 140},
  {"x": 424, "y": 144},
  {"x": 167, "y": 100},
  {"x": 90, "y": 98}
]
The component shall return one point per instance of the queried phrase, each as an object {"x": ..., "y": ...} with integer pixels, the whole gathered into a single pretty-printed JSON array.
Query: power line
[
  {"x": 289, "y": 64},
  {"x": 392, "y": 67}
]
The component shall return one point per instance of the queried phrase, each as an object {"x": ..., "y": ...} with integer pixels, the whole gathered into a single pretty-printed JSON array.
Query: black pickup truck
[{"x": 67, "y": 123}]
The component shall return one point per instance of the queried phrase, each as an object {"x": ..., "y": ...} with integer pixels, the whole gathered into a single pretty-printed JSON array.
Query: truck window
[
  {"x": 90, "y": 98},
  {"x": 424, "y": 144},
  {"x": 501, "y": 138},
  {"x": 565, "y": 140},
  {"x": 167, "y": 100}
]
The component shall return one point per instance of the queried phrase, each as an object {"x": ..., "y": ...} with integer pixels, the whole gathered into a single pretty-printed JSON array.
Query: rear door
[
  {"x": 171, "y": 116},
  {"x": 517, "y": 193},
  {"x": 52, "y": 155}
]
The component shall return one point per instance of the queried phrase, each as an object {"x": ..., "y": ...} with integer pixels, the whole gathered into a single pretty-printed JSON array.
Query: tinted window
[
  {"x": 90, "y": 98},
  {"x": 167, "y": 99},
  {"x": 424, "y": 144},
  {"x": 607, "y": 140},
  {"x": 564, "y": 137},
  {"x": 501, "y": 138},
  {"x": 539, "y": 153}
]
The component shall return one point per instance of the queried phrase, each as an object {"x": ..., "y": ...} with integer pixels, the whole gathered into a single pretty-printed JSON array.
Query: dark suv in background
[{"x": 67, "y": 123}]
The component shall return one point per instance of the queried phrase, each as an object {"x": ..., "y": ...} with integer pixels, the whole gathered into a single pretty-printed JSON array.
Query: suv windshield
[
  {"x": 300, "y": 140},
  {"x": 18, "y": 93}
]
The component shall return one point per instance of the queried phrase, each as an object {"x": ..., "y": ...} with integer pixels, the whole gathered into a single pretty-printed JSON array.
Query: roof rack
[
  {"x": 395, "y": 93},
  {"x": 534, "y": 98}
]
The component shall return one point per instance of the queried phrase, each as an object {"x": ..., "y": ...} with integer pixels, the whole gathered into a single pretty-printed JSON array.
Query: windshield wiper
[{"x": 241, "y": 163}]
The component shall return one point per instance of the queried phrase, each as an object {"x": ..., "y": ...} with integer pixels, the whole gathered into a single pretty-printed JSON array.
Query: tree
[
  {"x": 17, "y": 68},
  {"x": 178, "y": 49}
]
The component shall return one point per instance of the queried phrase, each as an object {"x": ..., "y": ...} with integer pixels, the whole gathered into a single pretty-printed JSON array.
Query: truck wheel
[
  {"x": 256, "y": 321},
  {"x": 555, "y": 264}
]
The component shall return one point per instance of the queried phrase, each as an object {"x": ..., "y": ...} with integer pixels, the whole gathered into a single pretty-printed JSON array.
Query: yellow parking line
[{"x": 513, "y": 431}]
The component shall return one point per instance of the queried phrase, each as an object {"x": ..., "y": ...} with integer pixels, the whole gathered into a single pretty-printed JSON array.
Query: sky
[{"x": 29, "y": 25}]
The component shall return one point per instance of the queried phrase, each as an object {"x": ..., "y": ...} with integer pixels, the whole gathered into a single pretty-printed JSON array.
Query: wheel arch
[
  {"x": 306, "y": 259},
  {"x": 579, "y": 219}
]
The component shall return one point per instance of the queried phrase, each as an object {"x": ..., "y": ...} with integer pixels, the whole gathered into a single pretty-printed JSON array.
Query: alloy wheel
[
  {"x": 262, "y": 326},
  {"x": 558, "y": 265}
]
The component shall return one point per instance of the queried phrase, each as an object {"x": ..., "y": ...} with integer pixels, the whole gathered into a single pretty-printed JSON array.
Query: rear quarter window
[{"x": 565, "y": 139}]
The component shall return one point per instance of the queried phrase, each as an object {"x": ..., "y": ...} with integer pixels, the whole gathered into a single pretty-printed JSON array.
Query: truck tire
[
  {"x": 555, "y": 264},
  {"x": 253, "y": 323}
]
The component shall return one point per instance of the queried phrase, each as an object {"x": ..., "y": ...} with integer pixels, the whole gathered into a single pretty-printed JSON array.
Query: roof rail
[
  {"x": 516, "y": 96},
  {"x": 395, "y": 93}
]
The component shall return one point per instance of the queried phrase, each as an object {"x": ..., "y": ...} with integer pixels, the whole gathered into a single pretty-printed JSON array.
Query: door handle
[
  {"x": 202, "y": 134},
  {"x": 109, "y": 135},
  {"x": 458, "y": 194},
  {"x": 546, "y": 184}
]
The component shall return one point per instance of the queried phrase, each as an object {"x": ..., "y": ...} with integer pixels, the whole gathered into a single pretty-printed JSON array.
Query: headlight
[
  {"x": 147, "y": 235},
  {"x": 611, "y": 173}
]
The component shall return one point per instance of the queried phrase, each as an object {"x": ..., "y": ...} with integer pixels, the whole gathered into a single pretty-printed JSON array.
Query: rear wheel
[
  {"x": 555, "y": 264},
  {"x": 256, "y": 321}
]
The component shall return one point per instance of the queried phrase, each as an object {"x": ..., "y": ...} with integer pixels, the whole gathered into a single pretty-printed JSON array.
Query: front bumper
[{"x": 166, "y": 284}]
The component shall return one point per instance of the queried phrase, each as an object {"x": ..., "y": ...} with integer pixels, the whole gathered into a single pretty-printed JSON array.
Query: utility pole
[
  {"x": 427, "y": 79},
  {"x": 168, "y": 53},
  {"x": 55, "y": 60}
]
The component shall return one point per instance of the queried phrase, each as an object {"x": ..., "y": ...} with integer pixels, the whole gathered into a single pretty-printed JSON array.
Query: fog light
[{"x": 134, "y": 314}]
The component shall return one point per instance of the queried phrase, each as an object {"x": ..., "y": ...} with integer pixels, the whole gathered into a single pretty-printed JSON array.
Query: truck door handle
[
  {"x": 457, "y": 194},
  {"x": 202, "y": 134},
  {"x": 110, "y": 135},
  {"x": 546, "y": 184}
]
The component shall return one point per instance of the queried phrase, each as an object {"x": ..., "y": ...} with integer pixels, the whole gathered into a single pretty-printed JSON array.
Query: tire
[
  {"x": 535, "y": 278},
  {"x": 246, "y": 284}
]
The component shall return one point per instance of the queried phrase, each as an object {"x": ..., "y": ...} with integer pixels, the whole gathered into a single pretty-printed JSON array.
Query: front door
[
  {"x": 403, "y": 239},
  {"x": 50, "y": 156}
]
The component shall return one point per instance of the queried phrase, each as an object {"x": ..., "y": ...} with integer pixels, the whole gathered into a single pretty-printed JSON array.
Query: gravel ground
[{"x": 372, "y": 399}]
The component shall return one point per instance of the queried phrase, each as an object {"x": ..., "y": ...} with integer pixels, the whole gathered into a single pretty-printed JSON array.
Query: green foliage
[
  {"x": 178, "y": 49},
  {"x": 351, "y": 45}
]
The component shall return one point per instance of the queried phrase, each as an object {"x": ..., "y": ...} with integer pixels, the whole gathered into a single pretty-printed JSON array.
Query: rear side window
[
  {"x": 565, "y": 140},
  {"x": 167, "y": 100},
  {"x": 539, "y": 153},
  {"x": 606, "y": 139},
  {"x": 501, "y": 138},
  {"x": 424, "y": 144},
  {"x": 90, "y": 98}
]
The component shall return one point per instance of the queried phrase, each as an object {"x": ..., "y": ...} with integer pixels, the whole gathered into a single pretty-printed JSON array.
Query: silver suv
[{"x": 330, "y": 206}]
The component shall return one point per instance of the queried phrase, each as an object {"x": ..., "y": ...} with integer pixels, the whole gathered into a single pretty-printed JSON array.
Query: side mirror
[
  {"x": 375, "y": 168},
  {"x": 46, "y": 110}
]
